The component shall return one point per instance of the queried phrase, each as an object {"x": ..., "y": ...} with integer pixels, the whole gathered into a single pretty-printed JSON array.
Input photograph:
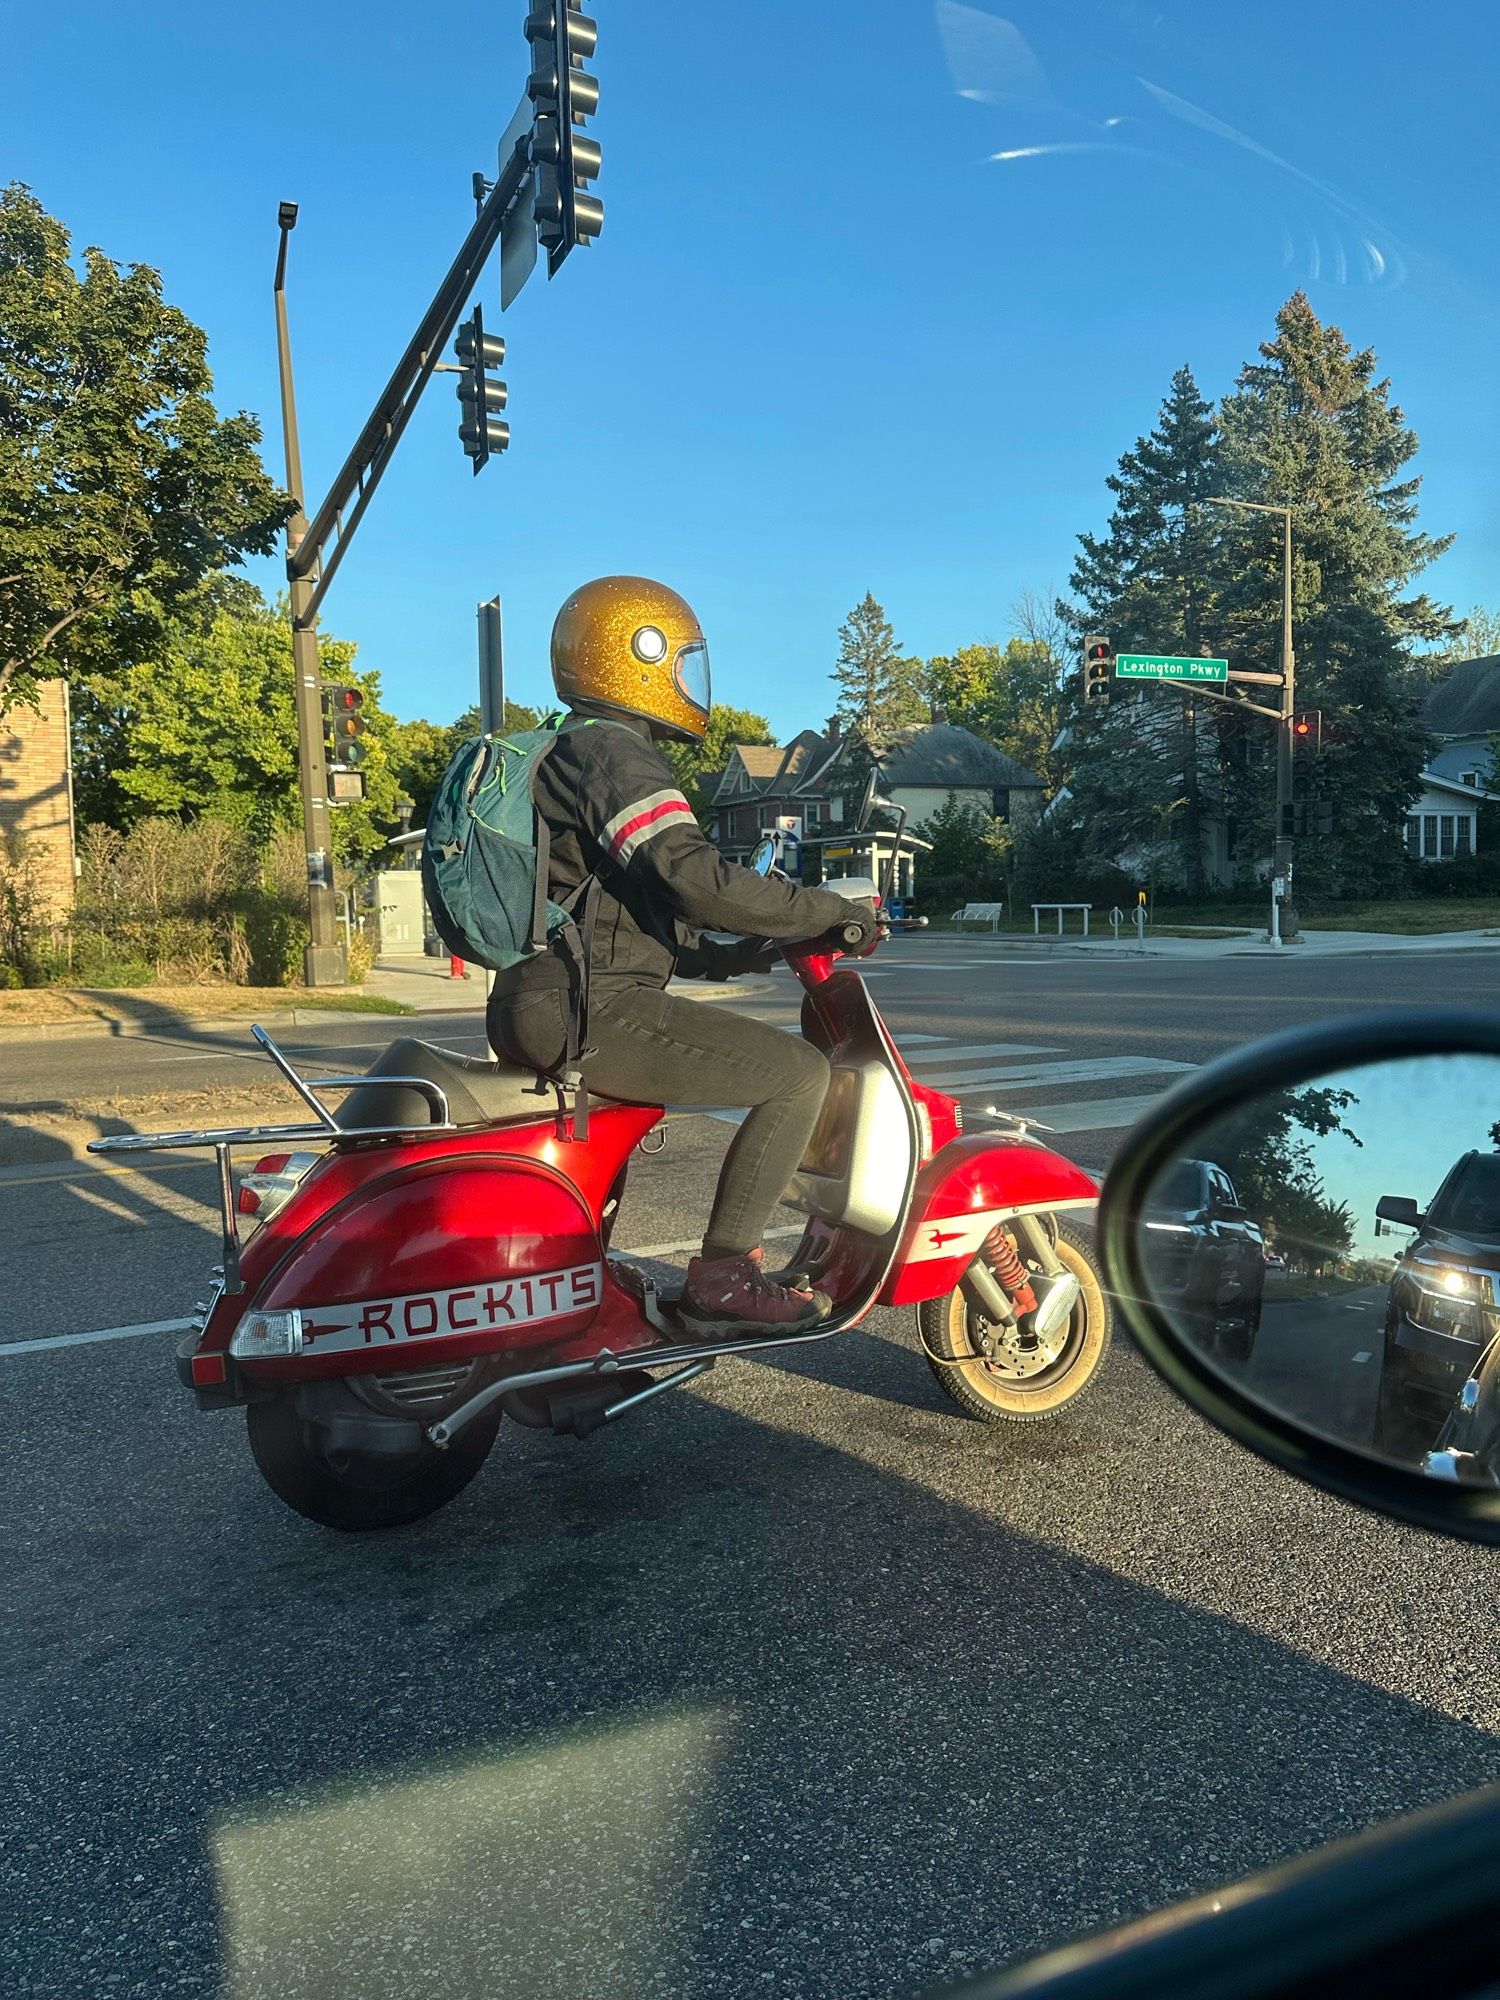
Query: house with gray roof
[
  {"x": 1463, "y": 712},
  {"x": 801, "y": 789}
]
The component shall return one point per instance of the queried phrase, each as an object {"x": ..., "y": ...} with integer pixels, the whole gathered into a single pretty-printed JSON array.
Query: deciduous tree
[{"x": 121, "y": 488}]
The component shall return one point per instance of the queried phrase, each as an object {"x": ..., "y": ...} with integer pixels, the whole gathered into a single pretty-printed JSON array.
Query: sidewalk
[{"x": 1312, "y": 944}]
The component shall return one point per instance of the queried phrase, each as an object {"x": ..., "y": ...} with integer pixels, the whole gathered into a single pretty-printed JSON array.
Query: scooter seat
[{"x": 479, "y": 1091}]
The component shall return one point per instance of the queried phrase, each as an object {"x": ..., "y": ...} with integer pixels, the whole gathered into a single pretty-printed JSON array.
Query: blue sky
[{"x": 827, "y": 343}]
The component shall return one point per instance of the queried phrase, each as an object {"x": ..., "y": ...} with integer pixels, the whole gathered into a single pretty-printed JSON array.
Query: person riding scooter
[{"x": 630, "y": 662}]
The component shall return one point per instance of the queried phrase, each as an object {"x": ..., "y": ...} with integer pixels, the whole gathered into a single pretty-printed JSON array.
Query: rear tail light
[{"x": 271, "y": 1183}]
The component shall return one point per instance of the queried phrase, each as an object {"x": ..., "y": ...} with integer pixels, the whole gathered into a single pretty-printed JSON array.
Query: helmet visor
[{"x": 690, "y": 671}]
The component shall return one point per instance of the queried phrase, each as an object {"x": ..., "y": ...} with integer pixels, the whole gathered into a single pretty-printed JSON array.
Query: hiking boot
[{"x": 737, "y": 1295}]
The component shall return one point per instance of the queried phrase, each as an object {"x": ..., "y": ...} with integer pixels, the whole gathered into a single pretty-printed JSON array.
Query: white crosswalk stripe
[{"x": 1009, "y": 1075}]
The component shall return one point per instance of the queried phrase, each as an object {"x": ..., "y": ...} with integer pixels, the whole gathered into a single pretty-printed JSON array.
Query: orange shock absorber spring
[{"x": 1004, "y": 1260}]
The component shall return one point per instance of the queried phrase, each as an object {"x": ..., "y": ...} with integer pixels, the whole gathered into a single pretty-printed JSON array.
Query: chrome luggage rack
[{"x": 222, "y": 1141}]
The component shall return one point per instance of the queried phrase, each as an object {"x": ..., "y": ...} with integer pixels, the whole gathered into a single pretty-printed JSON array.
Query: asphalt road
[{"x": 798, "y": 1681}]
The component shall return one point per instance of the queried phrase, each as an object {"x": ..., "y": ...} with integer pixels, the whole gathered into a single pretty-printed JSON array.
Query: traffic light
[
  {"x": 344, "y": 727},
  {"x": 565, "y": 160},
  {"x": 1307, "y": 748},
  {"x": 482, "y": 429},
  {"x": 1098, "y": 668}
]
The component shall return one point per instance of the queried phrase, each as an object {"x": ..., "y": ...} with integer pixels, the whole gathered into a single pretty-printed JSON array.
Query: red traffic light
[{"x": 343, "y": 700}]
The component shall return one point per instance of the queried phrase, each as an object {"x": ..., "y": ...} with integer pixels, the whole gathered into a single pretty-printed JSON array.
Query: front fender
[{"x": 961, "y": 1194}]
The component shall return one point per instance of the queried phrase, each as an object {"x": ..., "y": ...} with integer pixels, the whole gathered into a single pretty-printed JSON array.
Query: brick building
[{"x": 36, "y": 787}]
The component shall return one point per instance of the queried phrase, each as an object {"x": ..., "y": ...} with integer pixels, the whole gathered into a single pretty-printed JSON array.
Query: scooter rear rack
[{"x": 222, "y": 1140}]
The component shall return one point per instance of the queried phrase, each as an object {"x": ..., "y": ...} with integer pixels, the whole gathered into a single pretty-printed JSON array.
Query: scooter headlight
[{"x": 267, "y": 1336}]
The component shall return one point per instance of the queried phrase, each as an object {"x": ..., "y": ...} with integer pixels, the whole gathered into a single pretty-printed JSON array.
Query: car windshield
[
  {"x": 1180, "y": 1187},
  {"x": 1470, "y": 1203},
  {"x": 1072, "y": 427}
]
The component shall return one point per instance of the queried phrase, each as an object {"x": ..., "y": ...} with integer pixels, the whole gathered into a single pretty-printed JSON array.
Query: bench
[
  {"x": 979, "y": 913},
  {"x": 1037, "y": 909}
]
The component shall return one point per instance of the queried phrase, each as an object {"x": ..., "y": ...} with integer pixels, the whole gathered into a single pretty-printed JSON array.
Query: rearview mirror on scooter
[{"x": 1271, "y": 1277}]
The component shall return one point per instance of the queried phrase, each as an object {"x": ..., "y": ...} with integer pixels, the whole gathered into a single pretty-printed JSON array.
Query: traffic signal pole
[
  {"x": 315, "y": 548},
  {"x": 539, "y": 197},
  {"x": 1284, "y": 924},
  {"x": 323, "y": 962}
]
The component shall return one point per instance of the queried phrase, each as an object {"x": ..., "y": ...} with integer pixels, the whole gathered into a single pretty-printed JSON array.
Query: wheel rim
[{"x": 1025, "y": 1368}]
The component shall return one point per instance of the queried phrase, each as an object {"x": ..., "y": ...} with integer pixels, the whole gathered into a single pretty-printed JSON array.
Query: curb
[{"x": 297, "y": 1017}]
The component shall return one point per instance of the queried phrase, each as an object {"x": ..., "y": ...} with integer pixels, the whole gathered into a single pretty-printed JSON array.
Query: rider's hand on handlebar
[
  {"x": 858, "y": 931},
  {"x": 746, "y": 954}
]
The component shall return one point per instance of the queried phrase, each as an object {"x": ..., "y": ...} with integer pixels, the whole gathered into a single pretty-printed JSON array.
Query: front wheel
[
  {"x": 356, "y": 1492},
  {"x": 996, "y": 1379}
]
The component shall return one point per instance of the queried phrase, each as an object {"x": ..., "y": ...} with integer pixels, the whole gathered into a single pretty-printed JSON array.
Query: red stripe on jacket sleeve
[{"x": 645, "y": 824}]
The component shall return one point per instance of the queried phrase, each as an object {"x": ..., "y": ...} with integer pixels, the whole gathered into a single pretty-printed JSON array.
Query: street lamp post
[
  {"x": 1284, "y": 925},
  {"x": 324, "y": 963}
]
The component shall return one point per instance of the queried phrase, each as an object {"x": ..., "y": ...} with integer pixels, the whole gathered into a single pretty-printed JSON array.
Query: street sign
[
  {"x": 1168, "y": 667},
  {"x": 837, "y": 853}
]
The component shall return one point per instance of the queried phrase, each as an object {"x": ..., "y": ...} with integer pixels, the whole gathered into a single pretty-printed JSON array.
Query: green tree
[
  {"x": 1310, "y": 426},
  {"x": 697, "y": 766},
  {"x": 1145, "y": 582},
  {"x": 1014, "y": 697},
  {"x": 879, "y": 691},
  {"x": 121, "y": 488},
  {"x": 205, "y": 726},
  {"x": 1476, "y": 638},
  {"x": 970, "y": 849},
  {"x": 1265, "y": 1153}
]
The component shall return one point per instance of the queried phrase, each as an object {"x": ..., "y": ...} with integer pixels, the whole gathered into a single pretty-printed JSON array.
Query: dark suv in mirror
[
  {"x": 1208, "y": 1255},
  {"x": 1441, "y": 1312}
]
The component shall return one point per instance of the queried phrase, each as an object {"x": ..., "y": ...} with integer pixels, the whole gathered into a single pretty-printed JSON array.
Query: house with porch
[
  {"x": 1462, "y": 711},
  {"x": 803, "y": 789}
]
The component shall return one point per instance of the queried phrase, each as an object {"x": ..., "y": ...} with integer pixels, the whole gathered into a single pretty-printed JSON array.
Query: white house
[{"x": 1463, "y": 713}]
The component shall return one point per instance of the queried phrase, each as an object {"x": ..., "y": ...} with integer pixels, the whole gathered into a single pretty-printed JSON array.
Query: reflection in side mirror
[
  {"x": 1253, "y": 1232},
  {"x": 763, "y": 857}
]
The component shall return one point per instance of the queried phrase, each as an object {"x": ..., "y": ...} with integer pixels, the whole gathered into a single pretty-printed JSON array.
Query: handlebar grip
[{"x": 852, "y": 934}]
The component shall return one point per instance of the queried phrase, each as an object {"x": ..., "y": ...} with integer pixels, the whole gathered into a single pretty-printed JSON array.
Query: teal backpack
[{"x": 485, "y": 865}]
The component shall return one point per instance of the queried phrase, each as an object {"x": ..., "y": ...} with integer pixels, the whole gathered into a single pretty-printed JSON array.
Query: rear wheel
[
  {"x": 999, "y": 1380},
  {"x": 359, "y": 1491}
]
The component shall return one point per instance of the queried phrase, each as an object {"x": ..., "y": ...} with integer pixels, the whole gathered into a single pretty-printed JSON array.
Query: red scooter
[{"x": 445, "y": 1260}]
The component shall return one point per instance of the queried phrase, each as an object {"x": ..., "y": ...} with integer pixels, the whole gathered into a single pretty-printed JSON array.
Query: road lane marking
[
  {"x": 56, "y": 1340},
  {"x": 1364, "y": 1355},
  {"x": 1102, "y": 1069},
  {"x": 980, "y": 1051},
  {"x": 1100, "y": 1114},
  {"x": 9, "y": 1178}
]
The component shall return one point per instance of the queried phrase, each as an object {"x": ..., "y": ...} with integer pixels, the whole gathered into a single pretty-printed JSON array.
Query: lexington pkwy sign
[{"x": 1168, "y": 667}]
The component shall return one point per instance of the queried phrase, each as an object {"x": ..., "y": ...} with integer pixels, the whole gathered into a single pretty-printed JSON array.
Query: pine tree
[
  {"x": 878, "y": 690},
  {"x": 1145, "y": 584},
  {"x": 1309, "y": 426}
]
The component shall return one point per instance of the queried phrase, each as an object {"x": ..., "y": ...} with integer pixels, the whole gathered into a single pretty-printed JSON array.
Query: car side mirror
[{"x": 1328, "y": 1375}]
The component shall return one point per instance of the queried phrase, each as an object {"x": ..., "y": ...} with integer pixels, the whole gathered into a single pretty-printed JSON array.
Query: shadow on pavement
[{"x": 757, "y": 1693}]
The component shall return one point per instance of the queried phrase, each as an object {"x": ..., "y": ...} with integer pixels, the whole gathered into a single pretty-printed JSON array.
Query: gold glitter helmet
[{"x": 635, "y": 645}]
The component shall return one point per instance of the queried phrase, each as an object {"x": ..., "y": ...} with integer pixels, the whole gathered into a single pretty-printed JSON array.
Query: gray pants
[{"x": 653, "y": 1049}]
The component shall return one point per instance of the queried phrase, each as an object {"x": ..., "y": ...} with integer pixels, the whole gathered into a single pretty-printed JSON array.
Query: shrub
[
  {"x": 276, "y": 937},
  {"x": 362, "y": 954},
  {"x": 21, "y": 915}
]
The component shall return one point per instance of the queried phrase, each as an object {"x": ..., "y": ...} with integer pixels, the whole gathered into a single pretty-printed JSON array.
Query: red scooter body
[{"x": 415, "y": 1279}]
